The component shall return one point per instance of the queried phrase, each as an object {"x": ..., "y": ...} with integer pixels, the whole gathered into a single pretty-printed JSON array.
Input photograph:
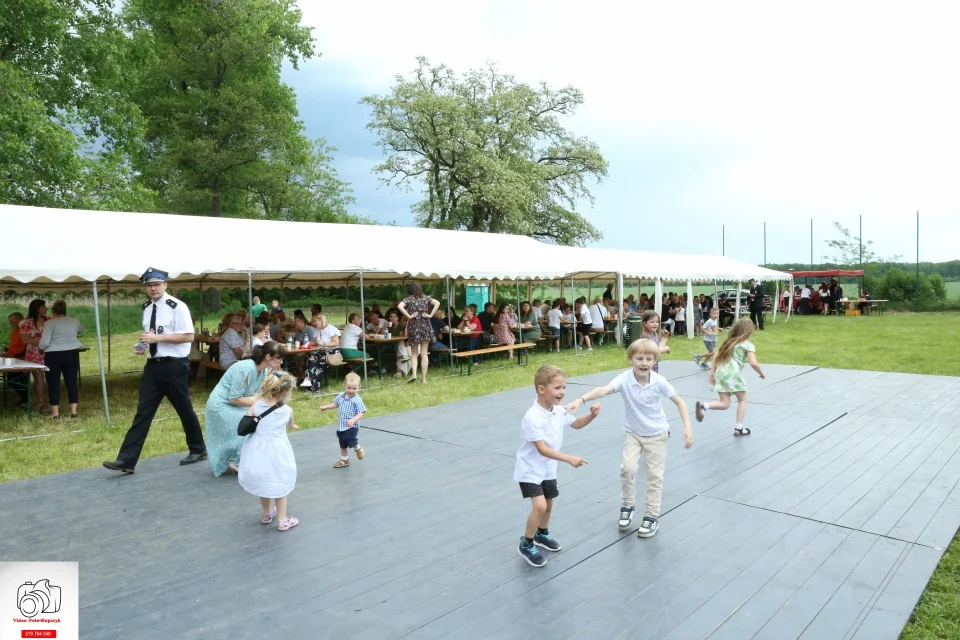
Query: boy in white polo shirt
[
  {"x": 646, "y": 431},
  {"x": 536, "y": 467}
]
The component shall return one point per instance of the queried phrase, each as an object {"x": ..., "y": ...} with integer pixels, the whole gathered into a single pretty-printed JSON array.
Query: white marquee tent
[{"x": 82, "y": 249}]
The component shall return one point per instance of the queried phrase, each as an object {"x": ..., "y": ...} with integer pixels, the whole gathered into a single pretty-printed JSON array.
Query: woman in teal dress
[{"x": 230, "y": 400}]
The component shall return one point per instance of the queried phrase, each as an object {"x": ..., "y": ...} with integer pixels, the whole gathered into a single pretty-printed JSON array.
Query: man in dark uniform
[
  {"x": 755, "y": 298},
  {"x": 167, "y": 335}
]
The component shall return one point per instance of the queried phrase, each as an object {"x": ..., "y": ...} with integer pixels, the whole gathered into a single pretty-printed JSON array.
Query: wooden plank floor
[{"x": 825, "y": 523}]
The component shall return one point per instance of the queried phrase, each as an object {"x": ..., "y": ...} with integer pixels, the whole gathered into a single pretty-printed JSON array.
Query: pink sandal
[
  {"x": 289, "y": 523},
  {"x": 267, "y": 518}
]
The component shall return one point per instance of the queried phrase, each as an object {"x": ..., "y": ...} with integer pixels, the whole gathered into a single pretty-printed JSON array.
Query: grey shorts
[{"x": 711, "y": 345}]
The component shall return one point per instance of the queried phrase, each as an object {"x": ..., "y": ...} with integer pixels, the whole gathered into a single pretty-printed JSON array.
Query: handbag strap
[{"x": 268, "y": 411}]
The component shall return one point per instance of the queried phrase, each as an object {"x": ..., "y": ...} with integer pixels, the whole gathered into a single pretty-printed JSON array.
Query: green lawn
[{"x": 915, "y": 343}]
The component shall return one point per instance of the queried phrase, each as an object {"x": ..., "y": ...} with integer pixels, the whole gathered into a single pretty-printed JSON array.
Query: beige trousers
[{"x": 654, "y": 452}]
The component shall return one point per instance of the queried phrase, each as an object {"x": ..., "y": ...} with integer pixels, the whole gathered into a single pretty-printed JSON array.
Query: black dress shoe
[
  {"x": 194, "y": 457},
  {"x": 119, "y": 465}
]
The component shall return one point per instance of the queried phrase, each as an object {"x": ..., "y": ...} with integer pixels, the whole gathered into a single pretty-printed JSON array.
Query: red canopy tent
[{"x": 829, "y": 273}]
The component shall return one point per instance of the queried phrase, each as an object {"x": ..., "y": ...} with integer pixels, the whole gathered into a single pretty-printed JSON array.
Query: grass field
[
  {"x": 953, "y": 290},
  {"x": 916, "y": 343}
]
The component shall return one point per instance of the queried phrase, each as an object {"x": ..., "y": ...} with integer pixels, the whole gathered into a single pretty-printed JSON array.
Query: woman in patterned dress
[
  {"x": 31, "y": 329},
  {"x": 418, "y": 308},
  {"x": 233, "y": 396},
  {"x": 501, "y": 328},
  {"x": 726, "y": 376}
]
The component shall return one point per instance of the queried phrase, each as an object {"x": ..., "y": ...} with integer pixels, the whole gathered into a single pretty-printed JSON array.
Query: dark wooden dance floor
[{"x": 825, "y": 523}]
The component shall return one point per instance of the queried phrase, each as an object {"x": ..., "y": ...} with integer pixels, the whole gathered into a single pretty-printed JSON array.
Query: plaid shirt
[{"x": 349, "y": 408}]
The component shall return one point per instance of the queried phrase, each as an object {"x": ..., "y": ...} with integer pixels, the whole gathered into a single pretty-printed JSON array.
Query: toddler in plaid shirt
[{"x": 351, "y": 410}]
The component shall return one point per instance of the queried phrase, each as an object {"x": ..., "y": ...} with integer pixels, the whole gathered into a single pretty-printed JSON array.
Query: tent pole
[
  {"x": 109, "y": 333},
  {"x": 363, "y": 335},
  {"x": 519, "y": 321},
  {"x": 103, "y": 374},
  {"x": 658, "y": 298},
  {"x": 573, "y": 294},
  {"x": 620, "y": 339},
  {"x": 789, "y": 301},
  {"x": 250, "y": 305},
  {"x": 201, "y": 304},
  {"x": 776, "y": 301},
  {"x": 590, "y": 291},
  {"x": 739, "y": 290},
  {"x": 690, "y": 319},
  {"x": 450, "y": 305}
]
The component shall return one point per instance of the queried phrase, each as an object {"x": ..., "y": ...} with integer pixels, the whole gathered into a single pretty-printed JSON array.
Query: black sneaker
[
  {"x": 626, "y": 517},
  {"x": 546, "y": 541},
  {"x": 648, "y": 527},
  {"x": 533, "y": 557}
]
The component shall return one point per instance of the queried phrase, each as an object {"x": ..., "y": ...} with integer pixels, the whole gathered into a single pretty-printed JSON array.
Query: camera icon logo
[{"x": 34, "y": 598}]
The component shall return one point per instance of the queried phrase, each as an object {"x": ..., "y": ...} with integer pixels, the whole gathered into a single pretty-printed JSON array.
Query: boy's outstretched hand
[
  {"x": 576, "y": 461},
  {"x": 687, "y": 438},
  {"x": 595, "y": 410}
]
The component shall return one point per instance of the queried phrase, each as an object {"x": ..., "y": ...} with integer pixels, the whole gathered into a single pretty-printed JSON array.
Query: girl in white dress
[{"x": 269, "y": 470}]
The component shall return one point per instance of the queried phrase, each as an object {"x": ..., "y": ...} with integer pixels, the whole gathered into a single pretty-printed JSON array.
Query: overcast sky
[{"x": 709, "y": 113}]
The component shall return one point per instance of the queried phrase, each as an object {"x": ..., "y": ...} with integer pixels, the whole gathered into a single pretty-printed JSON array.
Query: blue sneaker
[
  {"x": 533, "y": 557},
  {"x": 546, "y": 541}
]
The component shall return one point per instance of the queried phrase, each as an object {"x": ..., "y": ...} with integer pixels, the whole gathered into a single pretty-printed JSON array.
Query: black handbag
[{"x": 248, "y": 424}]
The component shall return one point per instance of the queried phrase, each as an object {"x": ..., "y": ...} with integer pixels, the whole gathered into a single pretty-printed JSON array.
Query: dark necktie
[{"x": 153, "y": 327}]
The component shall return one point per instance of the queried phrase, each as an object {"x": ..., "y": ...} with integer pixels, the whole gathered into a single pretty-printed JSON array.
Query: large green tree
[
  {"x": 491, "y": 152},
  {"x": 64, "y": 128},
  {"x": 223, "y": 133}
]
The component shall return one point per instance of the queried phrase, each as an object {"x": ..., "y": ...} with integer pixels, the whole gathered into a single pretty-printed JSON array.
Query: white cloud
[{"x": 825, "y": 108}]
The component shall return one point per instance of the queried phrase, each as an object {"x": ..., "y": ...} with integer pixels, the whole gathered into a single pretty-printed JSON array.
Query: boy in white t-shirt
[
  {"x": 553, "y": 322},
  {"x": 536, "y": 466},
  {"x": 646, "y": 431}
]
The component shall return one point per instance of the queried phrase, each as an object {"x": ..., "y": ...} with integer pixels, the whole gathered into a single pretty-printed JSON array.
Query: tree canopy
[
  {"x": 173, "y": 105},
  {"x": 491, "y": 153}
]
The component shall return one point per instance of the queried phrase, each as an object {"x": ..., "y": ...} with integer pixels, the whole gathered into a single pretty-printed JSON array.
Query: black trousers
[
  {"x": 162, "y": 378},
  {"x": 756, "y": 316},
  {"x": 66, "y": 363}
]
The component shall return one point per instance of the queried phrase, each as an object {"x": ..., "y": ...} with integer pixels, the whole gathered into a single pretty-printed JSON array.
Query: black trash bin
[{"x": 634, "y": 329}]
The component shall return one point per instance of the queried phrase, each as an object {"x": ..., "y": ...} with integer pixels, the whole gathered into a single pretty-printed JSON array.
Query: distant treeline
[{"x": 949, "y": 271}]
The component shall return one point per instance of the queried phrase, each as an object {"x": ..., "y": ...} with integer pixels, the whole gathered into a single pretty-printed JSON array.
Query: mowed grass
[{"x": 914, "y": 343}]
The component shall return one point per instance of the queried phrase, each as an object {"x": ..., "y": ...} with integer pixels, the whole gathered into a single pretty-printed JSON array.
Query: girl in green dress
[{"x": 726, "y": 376}]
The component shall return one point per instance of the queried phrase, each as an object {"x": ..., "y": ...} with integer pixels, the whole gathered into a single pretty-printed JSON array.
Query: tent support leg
[
  {"x": 620, "y": 339},
  {"x": 109, "y": 332},
  {"x": 103, "y": 374},
  {"x": 363, "y": 335}
]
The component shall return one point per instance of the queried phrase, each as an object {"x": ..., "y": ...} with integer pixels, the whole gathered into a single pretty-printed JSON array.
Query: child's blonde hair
[
  {"x": 546, "y": 374},
  {"x": 277, "y": 387},
  {"x": 739, "y": 333},
  {"x": 351, "y": 377},
  {"x": 643, "y": 346}
]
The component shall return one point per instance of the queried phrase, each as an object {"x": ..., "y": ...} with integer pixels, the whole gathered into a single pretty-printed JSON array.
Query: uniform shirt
[
  {"x": 643, "y": 414},
  {"x": 540, "y": 424},
  {"x": 173, "y": 317},
  {"x": 349, "y": 408}
]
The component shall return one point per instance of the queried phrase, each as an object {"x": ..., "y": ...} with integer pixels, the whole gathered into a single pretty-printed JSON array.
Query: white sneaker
[
  {"x": 696, "y": 358},
  {"x": 626, "y": 517},
  {"x": 305, "y": 383}
]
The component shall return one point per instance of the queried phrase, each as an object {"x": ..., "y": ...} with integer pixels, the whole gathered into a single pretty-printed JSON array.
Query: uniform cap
[{"x": 153, "y": 275}]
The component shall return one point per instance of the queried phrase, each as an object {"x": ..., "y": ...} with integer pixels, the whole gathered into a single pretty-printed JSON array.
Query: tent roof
[
  {"x": 81, "y": 246},
  {"x": 829, "y": 273}
]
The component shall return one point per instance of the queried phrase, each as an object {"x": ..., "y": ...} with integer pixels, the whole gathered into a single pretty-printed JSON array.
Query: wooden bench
[
  {"x": 602, "y": 334},
  {"x": 353, "y": 363},
  {"x": 210, "y": 365},
  {"x": 520, "y": 348}
]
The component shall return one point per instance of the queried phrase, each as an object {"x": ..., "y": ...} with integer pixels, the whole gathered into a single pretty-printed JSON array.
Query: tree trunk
[
  {"x": 218, "y": 195},
  {"x": 213, "y": 295}
]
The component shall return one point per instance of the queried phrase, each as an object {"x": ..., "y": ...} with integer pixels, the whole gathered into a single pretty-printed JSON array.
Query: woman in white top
[
  {"x": 350, "y": 338},
  {"x": 61, "y": 349},
  {"x": 316, "y": 366},
  {"x": 585, "y": 326}
]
